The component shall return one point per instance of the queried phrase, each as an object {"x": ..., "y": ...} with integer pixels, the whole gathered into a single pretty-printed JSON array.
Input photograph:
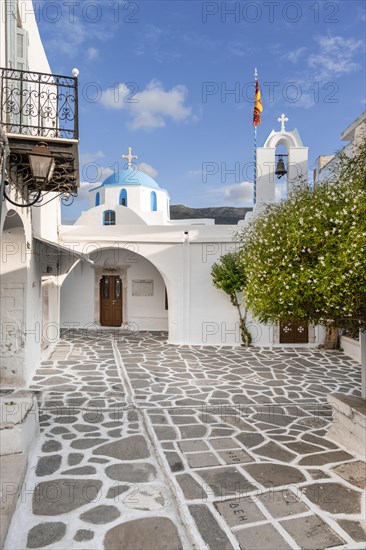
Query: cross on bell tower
[
  {"x": 129, "y": 157},
  {"x": 283, "y": 119}
]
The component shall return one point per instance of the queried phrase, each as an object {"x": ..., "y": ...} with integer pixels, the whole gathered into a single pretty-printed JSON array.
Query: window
[
  {"x": 97, "y": 199},
  {"x": 153, "y": 202},
  {"x": 22, "y": 49},
  {"x": 109, "y": 217},
  {"x": 123, "y": 197}
]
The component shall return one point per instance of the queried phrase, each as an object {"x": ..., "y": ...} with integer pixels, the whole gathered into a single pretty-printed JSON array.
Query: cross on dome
[
  {"x": 129, "y": 157},
  {"x": 283, "y": 119}
]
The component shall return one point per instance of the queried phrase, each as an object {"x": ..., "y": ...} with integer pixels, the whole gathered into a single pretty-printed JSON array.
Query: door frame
[
  {"x": 111, "y": 278},
  {"x": 106, "y": 271}
]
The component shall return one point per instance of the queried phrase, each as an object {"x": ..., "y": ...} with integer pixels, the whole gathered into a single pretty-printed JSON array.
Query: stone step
[{"x": 13, "y": 468}]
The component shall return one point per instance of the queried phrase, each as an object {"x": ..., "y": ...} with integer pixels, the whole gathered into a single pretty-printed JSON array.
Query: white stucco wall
[
  {"x": 143, "y": 312},
  {"x": 77, "y": 297}
]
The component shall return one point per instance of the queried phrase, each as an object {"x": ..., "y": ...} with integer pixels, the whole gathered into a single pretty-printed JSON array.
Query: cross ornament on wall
[
  {"x": 283, "y": 119},
  {"x": 130, "y": 157}
]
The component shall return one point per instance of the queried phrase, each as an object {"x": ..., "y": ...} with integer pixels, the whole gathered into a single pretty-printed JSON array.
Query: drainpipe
[
  {"x": 4, "y": 152},
  {"x": 187, "y": 283}
]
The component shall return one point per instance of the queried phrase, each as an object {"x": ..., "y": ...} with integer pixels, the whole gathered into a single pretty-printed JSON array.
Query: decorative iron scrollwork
[
  {"x": 28, "y": 191},
  {"x": 38, "y": 104}
]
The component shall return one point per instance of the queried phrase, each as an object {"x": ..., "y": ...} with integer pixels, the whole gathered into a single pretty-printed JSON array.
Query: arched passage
[
  {"x": 142, "y": 297},
  {"x": 13, "y": 300}
]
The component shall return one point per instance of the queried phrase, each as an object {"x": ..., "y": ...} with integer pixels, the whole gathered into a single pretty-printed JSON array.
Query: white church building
[
  {"x": 148, "y": 272},
  {"x": 124, "y": 265}
]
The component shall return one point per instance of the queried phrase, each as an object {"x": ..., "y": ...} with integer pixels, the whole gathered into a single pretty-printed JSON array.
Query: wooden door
[
  {"x": 292, "y": 332},
  {"x": 110, "y": 301}
]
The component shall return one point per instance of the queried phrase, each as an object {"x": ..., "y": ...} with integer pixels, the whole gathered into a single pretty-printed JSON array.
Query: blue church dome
[{"x": 130, "y": 176}]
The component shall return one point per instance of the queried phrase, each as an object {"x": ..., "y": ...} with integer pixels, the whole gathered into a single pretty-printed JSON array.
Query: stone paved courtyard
[{"x": 149, "y": 446}]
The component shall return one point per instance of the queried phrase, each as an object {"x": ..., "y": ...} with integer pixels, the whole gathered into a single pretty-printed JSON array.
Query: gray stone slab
[
  {"x": 87, "y": 443},
  {"x": 311, "y": 533},
  {"x": 200, "y": 460},
  {"x": 51, "y": 446},
  {"x": 325, "y": 458},
  {"x": 240, "y": 511},
  {"x": 283, "y": 503},
  {"x": 174, "y": 461},
  {"x": 209, "y": 529},
  {"x": 48, "y": 465},
  {"x": 303, "y": 448},
  {"x": 225, "y": 482},
  {"x": 261, "y": 537},
  {"x": 334, "y": 498},
  {"x": 81, "y": 471},
  {"x": 74, "y": 458},
  {"x": 139, "y": 472},
  {"x": 82, "y": 535},
  {"x": 51, "y": 498},
  {"x": 274, "y": 475},
  {"x": 100, "y": 514},
  {"x": 193, "y": 431},
  {"x": 45, "y": 534},
  {"x": 353, "y": 472},
  {"x": 235, "y": 456},
  {"x": 191, "y": 488},
  {"x": 158, "y": 533},
  {"x": 129, "y": 448},
  {"x": 165, "y": 433},
  {"x": 84, "y": 428},
  {"x": 193, "y": 446},
  {"x": 273, "y": 450},
  {"x": 354, "y": 529},
  {"x": 223, "y": 443},
  {"x": 117, "y": 490},
  {"x": 317, "y": 474},
  {"x": 250, "y": 439}
]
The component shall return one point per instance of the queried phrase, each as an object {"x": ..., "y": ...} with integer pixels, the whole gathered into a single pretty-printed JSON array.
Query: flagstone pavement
[{"x": 145, "y": 445}]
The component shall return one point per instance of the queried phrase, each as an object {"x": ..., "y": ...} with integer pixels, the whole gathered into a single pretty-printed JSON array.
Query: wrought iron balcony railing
[{"x": 38, "y": 104}]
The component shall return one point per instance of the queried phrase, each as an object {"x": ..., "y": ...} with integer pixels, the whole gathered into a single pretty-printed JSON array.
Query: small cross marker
[
  {"x": 283, "y": 119},
  {"x": 129, "y": 157}
]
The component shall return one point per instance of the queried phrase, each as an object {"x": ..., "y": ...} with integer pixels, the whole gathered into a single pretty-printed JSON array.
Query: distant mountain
[{"x": 223, "y": 215}]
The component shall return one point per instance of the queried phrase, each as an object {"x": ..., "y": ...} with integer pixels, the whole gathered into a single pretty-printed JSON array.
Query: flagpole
[{"x": 255, "y": 150}]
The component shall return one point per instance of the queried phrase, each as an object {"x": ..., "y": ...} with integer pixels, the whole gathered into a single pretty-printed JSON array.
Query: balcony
[{"x": 40, "y": 108}]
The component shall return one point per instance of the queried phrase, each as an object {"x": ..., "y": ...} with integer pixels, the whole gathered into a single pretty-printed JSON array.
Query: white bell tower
[{"x": 296, "y": 162}]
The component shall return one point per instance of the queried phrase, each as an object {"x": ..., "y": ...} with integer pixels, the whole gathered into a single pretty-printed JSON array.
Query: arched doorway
[
  {"x": 122, "y": 288},
  {"x": 13, "y": 299}
]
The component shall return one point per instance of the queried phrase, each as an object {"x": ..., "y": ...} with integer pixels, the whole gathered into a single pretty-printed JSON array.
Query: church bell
[{"x": 280, "y": 168}]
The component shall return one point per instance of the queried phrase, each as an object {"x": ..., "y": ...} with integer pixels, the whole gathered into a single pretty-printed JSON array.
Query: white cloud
[
  {"x": 151, "y": 107},
  {"x": 237, "y": 194},
  {"x": 335, "y": 57},
  {"x": 93, "y": 53},
  {"x": 83, "y": 191},
  {"x": 93, "y": 173},
  {"x": 295, "y": 55},
  {"x": 85, "y": 158},
  {"x": 147, "y": 169}
]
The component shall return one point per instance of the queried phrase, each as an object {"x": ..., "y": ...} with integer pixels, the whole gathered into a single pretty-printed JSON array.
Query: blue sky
[{"x": 157, "y": 76}]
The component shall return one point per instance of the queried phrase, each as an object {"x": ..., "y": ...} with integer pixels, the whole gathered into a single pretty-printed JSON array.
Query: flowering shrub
[{"x": 305, "y": 257}]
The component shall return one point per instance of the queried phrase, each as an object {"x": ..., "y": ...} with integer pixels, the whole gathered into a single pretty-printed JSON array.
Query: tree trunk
[
  {"x": 242, "y": 320},
  {"x": 331, "y": 337}
]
